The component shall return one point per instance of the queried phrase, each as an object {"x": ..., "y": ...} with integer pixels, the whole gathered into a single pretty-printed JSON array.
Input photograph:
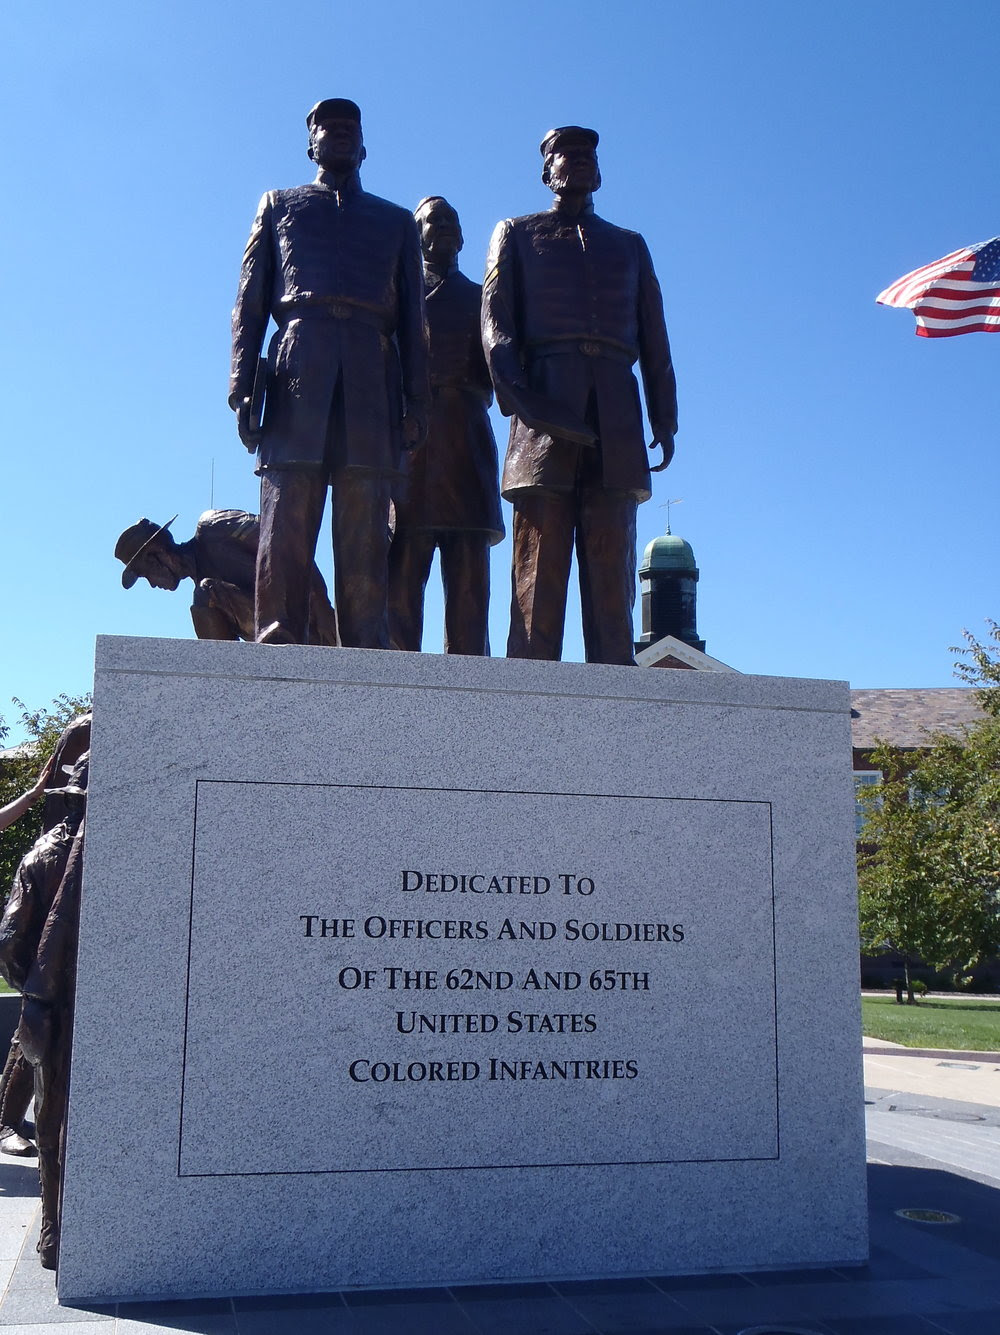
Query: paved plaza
[{"x": 933, "y": 1146}]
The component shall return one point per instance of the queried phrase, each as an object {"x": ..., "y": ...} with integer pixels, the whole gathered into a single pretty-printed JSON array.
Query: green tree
[
  {"x": 983, "y": 672},
  {"x": 929, "y": 860},
  {"x": 19, "y": 772}
]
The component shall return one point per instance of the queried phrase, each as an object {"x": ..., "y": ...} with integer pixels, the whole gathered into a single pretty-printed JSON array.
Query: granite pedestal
[{"x": 464, "y": 970}]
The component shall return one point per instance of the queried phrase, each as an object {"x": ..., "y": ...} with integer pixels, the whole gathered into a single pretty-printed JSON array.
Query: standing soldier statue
[
  {"x": 339, "y": 271},
  {"x": 570, "y": 304},
  {"x": 451, "y": 500}
]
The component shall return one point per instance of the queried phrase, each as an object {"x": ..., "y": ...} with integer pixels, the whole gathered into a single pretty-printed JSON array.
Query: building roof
[
  {"x": 674, "y": 653},
  {"x": 906, "y": 717},
  {"x": 668, "y": 552},
  {"x": 19, "y": 752}
]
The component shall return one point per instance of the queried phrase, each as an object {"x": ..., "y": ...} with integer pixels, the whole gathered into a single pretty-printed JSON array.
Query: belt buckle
[
  {"x": 339, "y": 311},
  {"x": 590, "y": 349}
]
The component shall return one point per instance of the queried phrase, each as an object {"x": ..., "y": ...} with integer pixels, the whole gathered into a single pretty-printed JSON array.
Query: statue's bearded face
[
  {"x": 335, "y": 144},
  {"x": 572, "y": 167},
  {"x": 440, "y": 232}
]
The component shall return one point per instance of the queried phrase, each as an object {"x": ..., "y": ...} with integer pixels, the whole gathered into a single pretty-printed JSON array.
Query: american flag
[{"x": 959, "y": 294}]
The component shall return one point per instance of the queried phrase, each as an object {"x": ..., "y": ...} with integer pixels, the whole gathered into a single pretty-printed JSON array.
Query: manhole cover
[{"x": 929, "y": 1216}]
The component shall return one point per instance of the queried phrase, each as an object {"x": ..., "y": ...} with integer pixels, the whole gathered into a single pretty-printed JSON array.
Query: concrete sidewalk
[
  {"x": 930, "y": 1149},
  {"x": 971, "y": 1077}
]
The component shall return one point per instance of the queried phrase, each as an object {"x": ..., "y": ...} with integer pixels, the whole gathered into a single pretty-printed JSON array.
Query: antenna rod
[{"x": 665, "y": 505}]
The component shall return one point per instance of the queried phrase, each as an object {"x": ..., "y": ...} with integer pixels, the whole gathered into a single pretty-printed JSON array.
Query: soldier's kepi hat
[
  {"x": 566, "y": 136},
  {"x": 133, "y": 542},
  {"x": 336, "y": 108}
]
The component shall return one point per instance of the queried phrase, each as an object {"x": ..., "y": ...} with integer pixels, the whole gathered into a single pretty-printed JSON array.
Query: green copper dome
[{"x": 668, "y": 552}]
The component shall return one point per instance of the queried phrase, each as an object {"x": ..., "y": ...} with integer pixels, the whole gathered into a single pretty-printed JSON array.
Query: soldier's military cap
[
  {"x": 567, "y": 135},
  {"x": 336, "y": 108}
]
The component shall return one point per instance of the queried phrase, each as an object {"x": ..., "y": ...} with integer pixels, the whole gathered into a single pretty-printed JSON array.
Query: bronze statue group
[{"x": 376, "y": 387}]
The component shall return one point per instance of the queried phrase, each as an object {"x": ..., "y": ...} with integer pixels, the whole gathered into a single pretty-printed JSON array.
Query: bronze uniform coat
[
  {"x": 340, "y": 272},
  {"x": 570, "y": 304},
  {"x": 225, "y": 548},
  {"x": 225, "y": 553},
  {"x": 452, "y": 481},
  {"x": 35, "y": 884}
]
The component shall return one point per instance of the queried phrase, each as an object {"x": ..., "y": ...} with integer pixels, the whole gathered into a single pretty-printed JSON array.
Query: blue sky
[{"x": 785, "y": 161}]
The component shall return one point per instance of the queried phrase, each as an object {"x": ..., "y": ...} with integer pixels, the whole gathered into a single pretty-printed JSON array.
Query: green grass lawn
[{"x": 952, "y": 1022}]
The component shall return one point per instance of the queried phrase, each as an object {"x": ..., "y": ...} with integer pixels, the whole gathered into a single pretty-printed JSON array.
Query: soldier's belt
[
  {"x": 590, "y": 347},
  {"x": 324, "y": 308}
]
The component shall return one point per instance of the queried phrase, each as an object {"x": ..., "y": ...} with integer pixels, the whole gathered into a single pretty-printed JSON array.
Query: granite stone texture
[{"x": 467, "y": 970}]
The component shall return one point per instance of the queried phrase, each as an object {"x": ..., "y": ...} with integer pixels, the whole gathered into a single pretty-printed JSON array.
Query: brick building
[{"x": 906, "y": 718}]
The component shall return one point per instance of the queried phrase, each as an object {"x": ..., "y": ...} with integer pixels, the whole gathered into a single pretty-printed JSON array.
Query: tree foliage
[
  {"x": 983, "y": 672},
  {"x": 929, "y": 861},
  {"x": 19, "y": 772}
]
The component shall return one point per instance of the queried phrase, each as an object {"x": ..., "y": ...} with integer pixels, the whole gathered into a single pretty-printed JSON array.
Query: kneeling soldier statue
[{"x": 221, "y": 559}]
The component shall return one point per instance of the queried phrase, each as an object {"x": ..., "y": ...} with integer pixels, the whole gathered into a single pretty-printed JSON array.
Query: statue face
[
  {"x": 335, "y": 144},
  {"x": 155, "y": 566},
  {"x": 573, "y": 167},
  {"x": 440, "y": 232}
]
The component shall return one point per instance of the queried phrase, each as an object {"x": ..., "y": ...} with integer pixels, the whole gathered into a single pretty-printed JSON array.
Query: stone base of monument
[{"x": 399, "y": 970}]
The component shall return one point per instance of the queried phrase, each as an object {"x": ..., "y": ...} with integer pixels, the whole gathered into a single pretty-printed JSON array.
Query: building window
[{"x": 863, "y": 778}]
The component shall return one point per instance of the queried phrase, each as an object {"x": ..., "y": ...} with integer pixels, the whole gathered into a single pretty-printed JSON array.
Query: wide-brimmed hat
[{"x": 133, "y": 542}]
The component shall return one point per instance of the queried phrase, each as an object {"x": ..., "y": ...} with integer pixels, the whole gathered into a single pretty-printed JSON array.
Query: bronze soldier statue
[
  {"x": 221, "y": 558},
  {"x": 570, "y": 304},
  {"x": 17, "y": 1081},
  {"x": 451, "y": 498},
  {"x": 38, "y": 940},
  {"x": 339, "y": 271}
]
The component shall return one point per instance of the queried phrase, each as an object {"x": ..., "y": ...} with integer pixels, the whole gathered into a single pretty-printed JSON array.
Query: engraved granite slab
[{"x": 399, "y": 969}]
